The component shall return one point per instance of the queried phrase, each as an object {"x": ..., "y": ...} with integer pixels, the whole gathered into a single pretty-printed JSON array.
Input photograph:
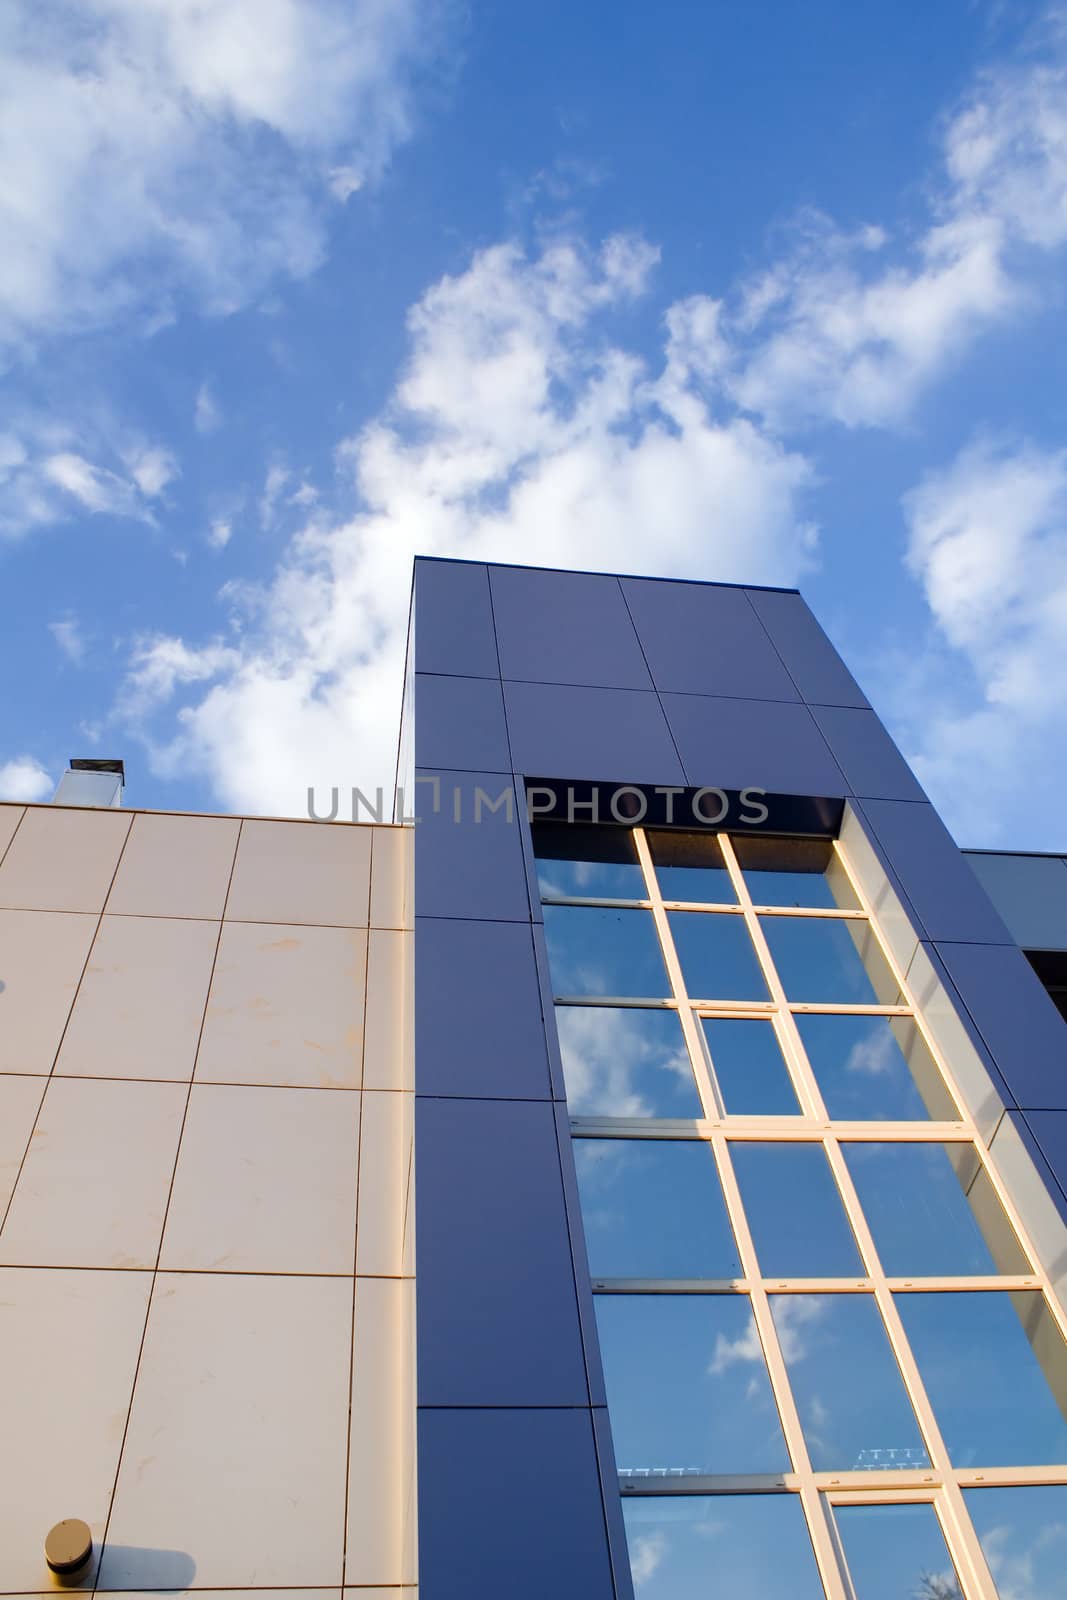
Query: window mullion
[
  {"x": 962, "y": 1540},
  {"x": 811, "y": 1099},
  {"x": 705, "y": 1088},
  {"x": 818, "y": 1527}
]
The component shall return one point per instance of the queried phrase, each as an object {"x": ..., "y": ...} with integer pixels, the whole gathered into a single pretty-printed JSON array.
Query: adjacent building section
[{"x": 206, "y": 1257}]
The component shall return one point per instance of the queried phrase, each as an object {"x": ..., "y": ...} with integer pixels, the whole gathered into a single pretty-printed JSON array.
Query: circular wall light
[{"x": 68, "y": 1545}]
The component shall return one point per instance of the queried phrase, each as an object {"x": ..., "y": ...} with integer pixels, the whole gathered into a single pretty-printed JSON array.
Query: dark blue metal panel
[
  {"x": 735, "y": 744},
  {"x": 478, "y": 1024},
  {"x": 614, "y": 734},
  {"x": 460, "y": 723},
  {"x": 609, "y": 1481},
  {"x": 565, "y": 627},
  {"x": 454, "y": 620},
  {"x": 813, "y": 663},
  {"x": 944, "y": 893},
  {"x": 966, "y": 1021},
  {"x": 1030, "y": 892},
  {"x": 1023, "y": 1031},
  {"x": 544, "y": 979},
  {"x": 516, "y": 1510},
  {"x": 888, "y": 868},
  {"x": 866, "y": 754},
  {"x": 704, "y": 639},
  {"x": 471, "y": 867},
  {"x": 497, "y": 1311},
  {"x": 1045, "y": 1135},
  {"x": 593, "y": 1367}
]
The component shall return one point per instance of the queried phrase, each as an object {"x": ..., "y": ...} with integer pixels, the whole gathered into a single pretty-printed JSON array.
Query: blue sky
[{"x": 292, "y": 289}]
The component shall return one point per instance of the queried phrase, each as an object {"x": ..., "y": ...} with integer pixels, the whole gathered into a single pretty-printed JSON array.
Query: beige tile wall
[{"x": 206, "y": 1250}]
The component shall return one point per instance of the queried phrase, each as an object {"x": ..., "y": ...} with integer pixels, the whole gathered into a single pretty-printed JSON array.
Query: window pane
[
  {"x": 689, "y": 866},
  {"x": 1024, "y": 1538},
  {"x": 798, "y": 1222},
  {"x": 852, "y": 1402},
  {"x": 749, "y": 1068},
  {"x": 620, "y": 1061},
  {"x": 687, "y": 1384},
  {"x": 995, "y": 1368},
  {"x": 897, "y": 1553},
  {"x": 717, "y": 956},
  {"x": 832, "y": 962},
  {"x": 875, "y": 1069},
  {"x": 653, "y": 1208},
  {"x": 594, "y": 950},
  {"x": 933, "y": 1210},
  {"x": 795, "y": 872},
  {"x": 593, "y": 863},
  {"x": 736, "y": 1546}
]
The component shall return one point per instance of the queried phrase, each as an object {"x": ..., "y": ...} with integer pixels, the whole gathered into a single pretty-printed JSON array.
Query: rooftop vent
[{"x": 91, "y": 782}]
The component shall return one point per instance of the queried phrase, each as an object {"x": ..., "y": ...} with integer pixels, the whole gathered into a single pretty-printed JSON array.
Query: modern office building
[{"x": 727, "y": 1087}]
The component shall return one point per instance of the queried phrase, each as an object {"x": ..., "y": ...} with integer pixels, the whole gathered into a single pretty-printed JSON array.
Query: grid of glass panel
[{"x": 822, "y": 1330}]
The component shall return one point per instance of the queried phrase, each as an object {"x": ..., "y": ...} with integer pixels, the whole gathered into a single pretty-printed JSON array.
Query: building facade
[
  {"x": 735, "y": 1112},
  {"x": 206, "y": 1265}
]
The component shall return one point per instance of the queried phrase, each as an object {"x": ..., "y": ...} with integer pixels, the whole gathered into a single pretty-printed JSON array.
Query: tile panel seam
[
  {"x": 166, "y": 1213},
  {"x": 66, "y": 1022}
]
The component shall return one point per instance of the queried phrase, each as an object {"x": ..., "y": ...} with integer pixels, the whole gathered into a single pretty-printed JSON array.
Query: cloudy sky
[{"x": 293, "y": 289}]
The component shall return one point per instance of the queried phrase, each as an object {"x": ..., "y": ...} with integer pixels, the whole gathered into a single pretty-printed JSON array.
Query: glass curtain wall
[{"x": 834, "y": 1366}]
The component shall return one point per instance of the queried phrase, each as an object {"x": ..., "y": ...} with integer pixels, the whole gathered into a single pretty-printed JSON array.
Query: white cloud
[
  {"x": 95, "y": 488},
  {"x": 156, "y": 147},
  {"x": 843, "y": 335},
  {"x": 1006, "y": 150},
  {"x": 68, "y": 636},
  {"x": 518, "y": 430},
  {"x": 853, "y": 328},
  {"x": 988, "y": 543},
  {"x": 649, "y": 1550},
  {"x": 219, "y": 533},
  {"x": 151, "y": 468},
  {"x": 207, "y": 415},
  {"x": 47, "y": 476},
  {"x": 744, "y": 1348},
  {"x": 160, "y": 664},
  {"x": 344, "y": 182},
  {"x": 25, "y": 779},
  {"x": 277, "y": 478}
]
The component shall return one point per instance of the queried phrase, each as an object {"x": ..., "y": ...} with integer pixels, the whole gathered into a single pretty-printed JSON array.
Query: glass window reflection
[
  {"x": 750, "y": 1068},
  {"x": 717, "y": 956},
  {"x": 738, "y": 1546},
  {"x": 621, "y": 1061},
  {"x": 653, "y": 1208},
  {"x": 933, "y": 1210},
  {"x": 687, "y": 1385},
  {"x": 587, "y": 863},
  {"x": 995, "y": 1368},
  {"x": 798, "y": 1222},
  {"x": 689, "y": 866},
  {"x": 875, "y": 1069},
  {"x": 853, "y": 1405},
  {"x": 829, "y": 961},
  {"x": 806, "y": 873},
  {"x": 897, "y": 1553},
  {"x": 1023, "y": 1533},
  {"x": 596, "y": 950}
]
